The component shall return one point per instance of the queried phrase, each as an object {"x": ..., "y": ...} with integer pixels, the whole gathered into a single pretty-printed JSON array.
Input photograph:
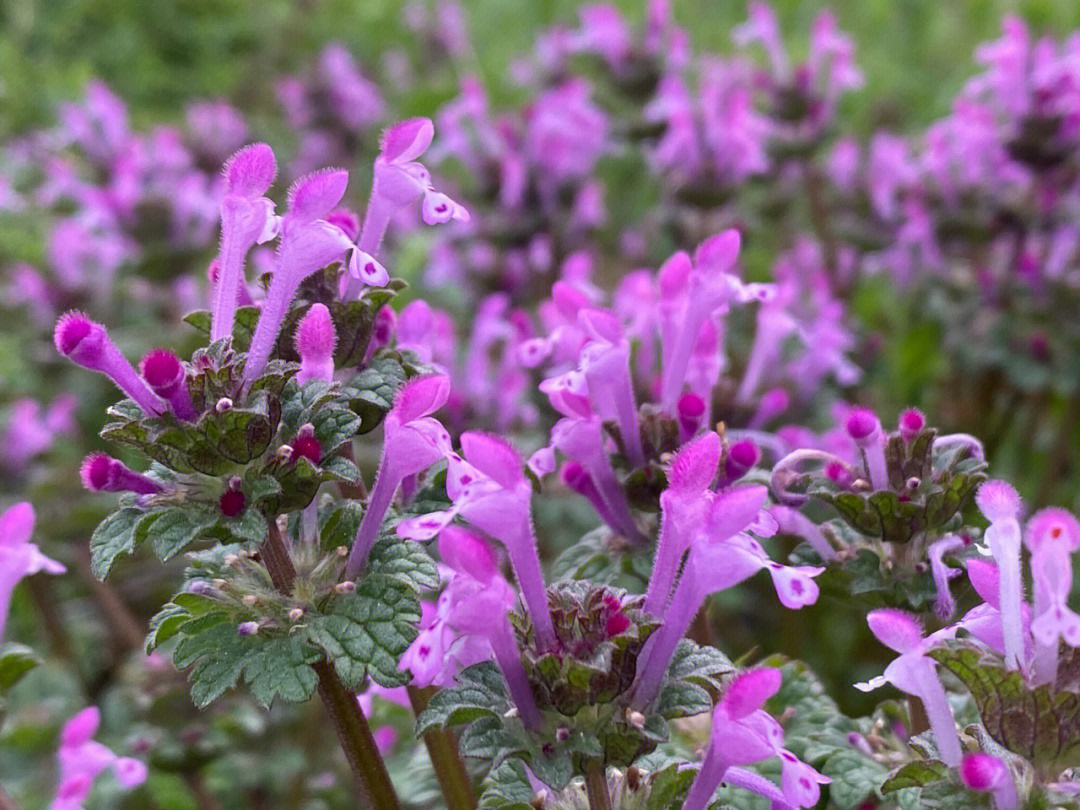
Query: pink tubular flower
[
  {"x": 398, "y": 181},
  {"x": 1001, "y": 505},
  {"x": 1052, "y": 536},
  {"x": 690, "y": 295},
  {"x": 82, "y": 760},
  {"x": 915, "y": 673},
  {"x": 308, "y": 243},
  {"x": 580, "y": 437},
  {"x": 490, "y": 491},
  {"x": 722, "y": 555},
  {"x": 315, "y": 341},
  {"x": 247, "y": 218},
  {"x": 744, "y": 733},
  {"x": 86, "y": 343},
  {"x": 683, "y": 506},
  {"x": 102, "y": 473},
  {"x": 605, "y": 362},
  {"x": 164, "y": 373},
  {"x": 18, "y": 556},
  {"x": 412, "y": 441}
]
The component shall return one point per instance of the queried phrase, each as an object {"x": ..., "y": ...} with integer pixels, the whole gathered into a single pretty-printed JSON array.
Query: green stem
[
  {"x": 445, "y": 759},
  {"x": 596, "y": 787},
  {"x": 353, "y": 732}
]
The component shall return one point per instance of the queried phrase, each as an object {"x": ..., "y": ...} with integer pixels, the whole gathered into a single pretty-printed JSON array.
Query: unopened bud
[
  {"x": 250, "y": 600},
  {"x": 296, "y": 614},
  {"x": 223, "y": 404},
  {"x": 636, "y": 719},
  {"x": 247, "y": 628},
  {"x": 345, "y": 587}
]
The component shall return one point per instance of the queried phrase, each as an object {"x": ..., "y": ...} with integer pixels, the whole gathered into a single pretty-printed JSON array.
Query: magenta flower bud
[
  {"x": 305, "y": 445},
  {"x": 315, "y": 340},
  {"x": 985, "y": 773},
  {"x": 912, "y": 423},
  {"x": 232, "y": 502},
  {"x": 865, "y": 430},
  {"x": 741, "y": 458},
  {"x": 86, "y": 343},
  {"x": 102, "y": 473},
  {"x": 164, "y": 372},
  {"x": 690, "y": 411}
]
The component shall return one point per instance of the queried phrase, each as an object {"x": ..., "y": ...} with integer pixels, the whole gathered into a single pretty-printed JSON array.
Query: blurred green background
[{"x": 156, "y": 55}]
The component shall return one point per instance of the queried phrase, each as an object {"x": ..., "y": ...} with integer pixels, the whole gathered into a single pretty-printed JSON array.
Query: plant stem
[
  {"x": 128, "y": 630},
  {"x": 917, "y": 716},
  {"x": 353, "y": 732},
  {"x": 48, "y": 607},
  {"x": 445, "y": 759},
  {"x": 596, "y": 787}
]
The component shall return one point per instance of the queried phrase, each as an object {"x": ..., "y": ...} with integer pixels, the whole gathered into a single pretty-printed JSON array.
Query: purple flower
[
  {"x": 1052, "y": 536},
  {"x": 308, "y": 243},
  {"x": 86, "y": 343},
  {"x": 165, "y": 375},
  {"x": 412, "y": 441},
  {"x": 470, "y": 623},
  {"x": 986, "y": 773},
  {"x": 82, "y": 760},
  {"x": 398, "y": 181},
  {"x": 998, "y": 501},
  {"x": 721, "y": 554},
  {"x": 102, "y": 473},
  {"x": 247, "y": 218},
  {"x": 915, "y": 673},
  {"x": 18, "y": 556},
  {"x": 490, "y": 490},
  {"x": 744, "y": 733}
]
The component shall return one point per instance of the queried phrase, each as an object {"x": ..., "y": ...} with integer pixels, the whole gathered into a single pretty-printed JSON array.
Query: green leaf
[
  {"x": 480, "y": 692},
  {"x": 507, "y": 787},
  {"x": 165, "y": 624},
  {"x": 334, "y": 427},
  {"x": 371, "y": 392},
  {"x": 15, "y": 661},
  {"x": 113, "y": 537},
  {"x": 366, "y": 632},
  {"x": 1040, "y": 725},
  {"x": 281, "y": 666},
  {"x": 856, "y": 778},
  {"x": 916, "y": 774},
  {"x": 217, "y": 656},
  {"x": 404, "y": 560},
  {"x": 341, "y": 526},
  {"x": 177, "y": 527}
]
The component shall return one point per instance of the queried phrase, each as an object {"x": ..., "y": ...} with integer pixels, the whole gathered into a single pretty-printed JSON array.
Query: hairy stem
[
  {"x": 596, "y": 787},
  {"x": 442, "y": 747},
  {"x": 354, "y": 734}
]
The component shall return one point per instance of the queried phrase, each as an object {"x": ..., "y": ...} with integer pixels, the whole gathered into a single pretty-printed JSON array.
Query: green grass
[{"x": 915, "y": 53}]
